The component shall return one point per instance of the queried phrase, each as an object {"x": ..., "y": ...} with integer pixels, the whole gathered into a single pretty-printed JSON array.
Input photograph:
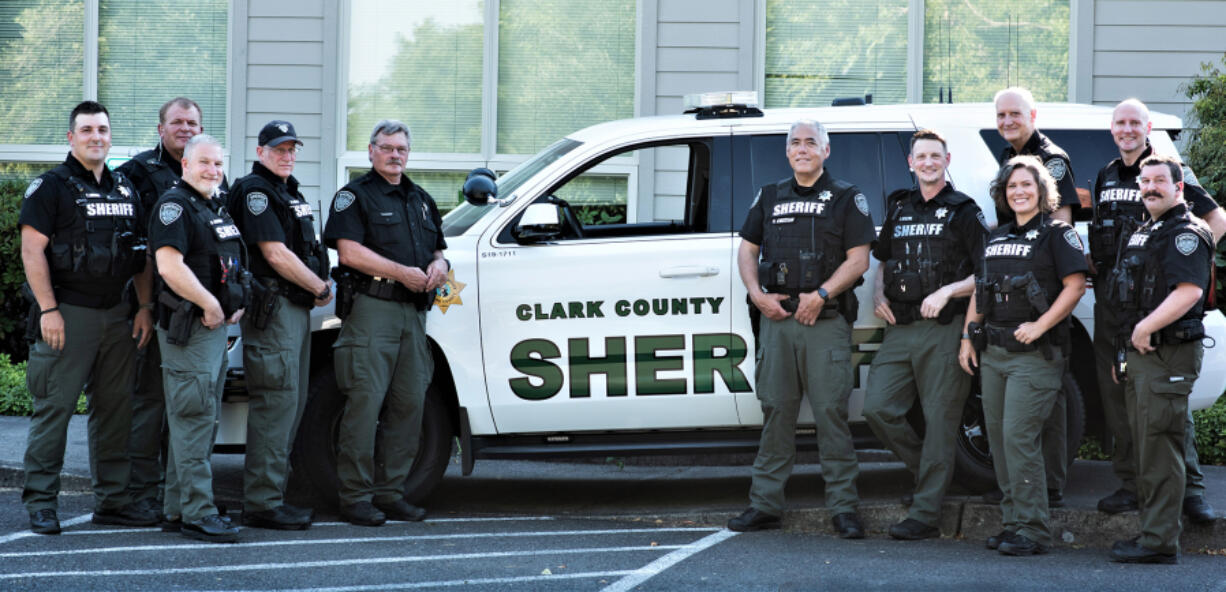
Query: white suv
[{"x": 596, "y": 308}]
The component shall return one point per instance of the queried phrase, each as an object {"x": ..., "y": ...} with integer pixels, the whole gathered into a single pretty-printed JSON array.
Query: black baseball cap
[{"x": 277, "y": 132}]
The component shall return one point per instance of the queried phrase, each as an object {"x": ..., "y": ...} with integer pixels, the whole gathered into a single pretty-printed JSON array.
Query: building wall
[
  {"x": 1148, "y": 49},
  {"x": 284, "y": 67}
]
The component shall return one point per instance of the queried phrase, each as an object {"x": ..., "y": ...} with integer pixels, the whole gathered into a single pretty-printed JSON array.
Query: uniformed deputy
[
  {"x": 289, "y": 264},
  {"x": 1159, "y": 286},
  {"x": 201, "y": 262},
  {"x": 387, "y": 233},
  {"x": 153, "y": 172},
  {"x": 81, "y": 241},
  {"x": 1033, "y": 274},
  {"x": 929, "y": 246},
  {"x": 1015, "y": 120},
  {"x": 804, "y": 247},
  {"x": 1118, "y": 211}
]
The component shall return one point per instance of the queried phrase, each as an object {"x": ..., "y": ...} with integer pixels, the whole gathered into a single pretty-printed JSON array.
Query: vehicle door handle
[{"x": 689, "y": 271}]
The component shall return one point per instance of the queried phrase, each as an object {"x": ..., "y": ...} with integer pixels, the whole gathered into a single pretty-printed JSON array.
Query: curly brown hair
[{"x": 1049, "y": 195}]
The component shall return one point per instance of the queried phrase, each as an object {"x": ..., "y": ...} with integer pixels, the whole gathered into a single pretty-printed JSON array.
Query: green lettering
[
  {"x": 558, "y": 312},
  {"x": 576, "y": 310},
  {"x": 583, "y": 366},
  {"x": 647, "y": 364},
  {"x": 531, "y": 356},
  {"x": 523, "y": 312},
  {"x": 641, "y": 307},
  {"x": 622, "y": 308},
  {"x": 680, "y": 306},
  {"x": 539, "y": 313},
  {"x": 659, "y": 306},
  {"x": 697, "y": 302},
  {"x": 727, "y": 365},
  {"x": 715, "y": 302},
  {"x": 593, "y": 309}
]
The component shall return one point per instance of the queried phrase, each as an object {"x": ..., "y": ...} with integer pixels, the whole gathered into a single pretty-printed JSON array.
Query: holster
[
  {"x": 177, "y": 316},
  {"x": 264, "y": 302},
  {"x": 344, "y": 292},
  {"x": 34, "y": 315}
]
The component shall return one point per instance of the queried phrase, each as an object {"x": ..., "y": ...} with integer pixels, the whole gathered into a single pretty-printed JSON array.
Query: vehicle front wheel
[
  {"x": 973, "y": 457},
  {"x": 314, "y": 456}
]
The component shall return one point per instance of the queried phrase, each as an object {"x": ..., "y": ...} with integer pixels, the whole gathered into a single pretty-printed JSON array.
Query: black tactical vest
[
  {"x": 302, "y": 239},
  {"x": 104, "y": 240},
  {"x": 222, "y": 265},
  {"x": 924, "y": 253},
  {"x": 160, "y": 174},
  {"x": 800, "y": 242},
  {"x": 1118, "y": 210},
  {"x": 1138, "y": 284},
  {"x": 1013, "y": 287}
]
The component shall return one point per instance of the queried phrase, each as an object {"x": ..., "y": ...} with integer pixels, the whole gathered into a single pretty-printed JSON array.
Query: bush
[
  {"x": 1206, "y": 147},
  {"x": 1211, "y": 433},
  {"x": 13, "y": 307},
  {"x": 14, "y": 397}
]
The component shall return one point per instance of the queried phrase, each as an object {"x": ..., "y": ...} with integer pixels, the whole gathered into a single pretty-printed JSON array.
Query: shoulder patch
[
  {"x": 862, "y": 203},
  {"x": 1186, "y": 243},
  {"x": 169, "y": 212},
  {"x": 34, "y": 185},
  {"x": 1056, "y": 167},
  {"x": 1073, "y": 239},
  {"x": 343, "y": 200},
  {"x": 257, "y": 202}
]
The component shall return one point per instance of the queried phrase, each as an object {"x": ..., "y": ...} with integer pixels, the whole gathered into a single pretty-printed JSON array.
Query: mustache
[{"x": 1152, "y": 194}]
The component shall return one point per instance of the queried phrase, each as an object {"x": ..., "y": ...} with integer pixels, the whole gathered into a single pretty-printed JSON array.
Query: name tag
[
  {"x": 301, "y": 210},
  {"x": 225, "y": 231},
  {"x": 110, "y": 210}
]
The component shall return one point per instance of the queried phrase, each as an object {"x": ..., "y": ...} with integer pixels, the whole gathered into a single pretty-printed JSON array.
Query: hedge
[{"x": 14, "y": 396}]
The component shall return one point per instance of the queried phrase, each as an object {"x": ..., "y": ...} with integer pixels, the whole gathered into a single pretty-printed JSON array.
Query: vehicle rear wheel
[
  {"x": 973, "y": 457},
  {"x": 314, "y": 456}
]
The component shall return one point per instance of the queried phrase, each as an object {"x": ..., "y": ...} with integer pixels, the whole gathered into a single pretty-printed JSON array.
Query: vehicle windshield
[{"x": 460, "y": 219}]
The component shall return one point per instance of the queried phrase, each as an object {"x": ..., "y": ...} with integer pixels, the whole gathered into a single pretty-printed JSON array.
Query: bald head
[
  {"x": 1130, "y": 127},
  {"x": 1015, "y": 116}
]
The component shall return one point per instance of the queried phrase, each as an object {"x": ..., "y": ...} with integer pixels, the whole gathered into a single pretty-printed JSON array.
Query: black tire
[
  {"x": 314, "y": 455},
  {"x": 972, "y": 457}
]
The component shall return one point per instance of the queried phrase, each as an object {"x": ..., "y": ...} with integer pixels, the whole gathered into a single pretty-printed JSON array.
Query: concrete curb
[
  {"x": 974, "y": 522},
  {"x": 11, "y": 476}
]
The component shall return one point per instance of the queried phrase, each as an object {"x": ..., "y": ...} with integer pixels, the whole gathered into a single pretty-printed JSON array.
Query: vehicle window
[
  {"x": 861, "y": 158},
  {"x": 894, "y": 151},
  {"x": 1088, "y": 149},
  {"x": 465, "y": 215}
]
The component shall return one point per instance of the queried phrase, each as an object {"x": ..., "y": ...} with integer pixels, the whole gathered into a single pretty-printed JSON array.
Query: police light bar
[{"x": 712, "y": 105}]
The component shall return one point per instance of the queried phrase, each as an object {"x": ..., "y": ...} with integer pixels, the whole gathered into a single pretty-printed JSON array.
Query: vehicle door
[{"x": 621, "y": 319}]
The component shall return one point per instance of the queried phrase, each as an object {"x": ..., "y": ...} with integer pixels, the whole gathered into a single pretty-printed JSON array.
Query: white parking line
[
  {"x": 338, "y": 563},
  {"x": 655, "y": 567},
  {"x": 316, "y": 524},
  {"x": 451, "y": 583},
  {"x": 63, "y": 524},
  {"x": 347, "y": 541}
]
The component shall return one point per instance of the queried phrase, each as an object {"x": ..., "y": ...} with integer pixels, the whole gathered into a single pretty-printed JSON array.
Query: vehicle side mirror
[{"x": 540, "y": 222}]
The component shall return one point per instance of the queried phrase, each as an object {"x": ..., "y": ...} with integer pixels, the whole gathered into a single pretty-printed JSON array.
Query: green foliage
[
  {"x": 1211, "y": 433},
  {"x": 13, "y": 308},
  {"x": 1092, "y": 449},
  {"x": 1206, "y": 124},
  {"x": 601, "y": 214},
  {"x": 14, "y": 397}
]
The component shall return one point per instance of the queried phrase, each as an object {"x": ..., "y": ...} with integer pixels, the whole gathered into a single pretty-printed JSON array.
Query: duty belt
[
  {"x": 387, "y": 289},
  {"x": 291, "y": 291},
  {"x": 1002, "y": 335}
]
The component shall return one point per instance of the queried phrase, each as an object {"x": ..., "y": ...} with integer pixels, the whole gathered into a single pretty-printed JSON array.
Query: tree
[{"x": 1206, "y": 124}]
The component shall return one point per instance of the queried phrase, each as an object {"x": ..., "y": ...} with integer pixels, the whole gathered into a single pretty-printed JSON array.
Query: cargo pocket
[
  {"x": 841, "y": 371},
  {"x": 187, "y": 393},
  {"x": 38, "y": 373},
  {"x": 1168, "y": 405},
  {"x": 267, "y": 368}
]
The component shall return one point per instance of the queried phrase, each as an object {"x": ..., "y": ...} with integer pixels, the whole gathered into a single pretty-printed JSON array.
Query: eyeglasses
[
  {"x": 386, "y": 149},
  {"x": 291, "y": 151}
]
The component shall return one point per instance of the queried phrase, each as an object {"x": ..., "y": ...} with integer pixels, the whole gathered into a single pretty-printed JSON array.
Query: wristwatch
[
  {"x": 823, "y": 293},
  {"x": 326, "y": 292}
]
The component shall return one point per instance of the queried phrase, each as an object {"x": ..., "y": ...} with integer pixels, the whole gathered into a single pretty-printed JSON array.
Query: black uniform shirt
[
  {"x": 50, "y": 207},
  {"x": 1058, "y": 164},
  {"x": 173, "y": 225},
  {"x": 1058, "y": 250},
  {"x": 266, "y": 218},
  {"x": 1186, "y": 258},
  {"x": 1127, "y": 189},
  {"x": 137, "y": 169},
  {"x": 851, "y": 208},
  {"x": 965, "y": 220},
  {"x": 398, "y": 222}
]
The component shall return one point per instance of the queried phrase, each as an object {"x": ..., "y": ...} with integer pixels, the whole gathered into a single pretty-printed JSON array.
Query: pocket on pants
[
  {"x": 267, "y": 368},
  {"x": 188, "y": 393},
  {"x": 1169, "y": 405},
  {"x": 841, "y": 371}
]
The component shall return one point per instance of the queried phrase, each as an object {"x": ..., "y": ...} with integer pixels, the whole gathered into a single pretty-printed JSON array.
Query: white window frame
[
  {"x": 461, "y": 162},
  {"x": 54, "y": 153}
]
